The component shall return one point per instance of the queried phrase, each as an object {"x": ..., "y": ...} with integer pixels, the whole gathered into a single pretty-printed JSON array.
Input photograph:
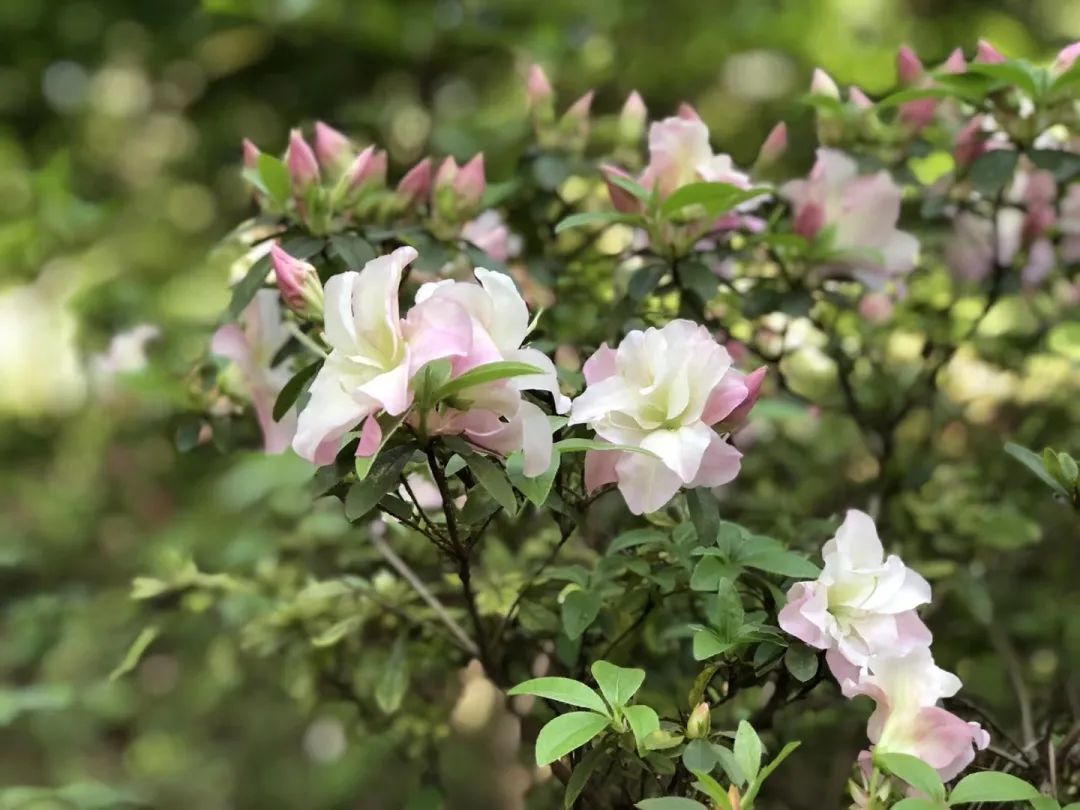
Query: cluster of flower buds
[
  {"x": 862, "y": 610},
  {"x": 568, "y": 132}
]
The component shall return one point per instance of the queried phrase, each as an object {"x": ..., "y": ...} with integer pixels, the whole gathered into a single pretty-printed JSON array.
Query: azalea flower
[
  {"x": 908, "y": 720},
  {"x": 663, "y": 391},
  {"x": 863, "y": 604},
  {"x": 492, "y": 235},
  {"x": 862, "y": 212},
  {"x": 251, "y": 345},
  {"x": 491, "y": 321},
  {"x": 370, "y": 363}
]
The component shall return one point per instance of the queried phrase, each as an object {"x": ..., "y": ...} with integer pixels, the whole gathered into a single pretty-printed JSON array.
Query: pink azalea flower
[
  {"x": 664, "y": 391},
  {"x": 492, "y": 235}
]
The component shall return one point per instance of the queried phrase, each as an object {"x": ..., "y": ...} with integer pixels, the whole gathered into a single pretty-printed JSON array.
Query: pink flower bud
[
  {"x": 331, "y": 147},
  {"x": 876, "y": 307},
  {"x": 416, "y": 184},
  {"x": 823, "y": 85},
  {"x": 303, "y": 167},
  {"x": 699, "y": 722},
  {"x": 988, "y": 54},
  {"x": 369, "y": 167},
  {"x": 1066, "y": 58},
  {"x": 470, "y": 182},
  {"x": 956, "y": 62},
  {"x": 809, "y": 220},
  {"x": 448, "y": 170},
  {"x": 622, "y": 199},
  {"x": 251, "y": 155},
  {"x": 860, "y": 99},
  {"x": 688, "y": 112},
  {"x": 908, "y": 66},
  {"x": 774, "y": 145},
  {"x": 753, "y": 382},
  {"x": 579, "y": 110},
  {"x": 970, "y": 142},
  {"x": 298, "y": 283},
  {"x": 632, "y": 118},
  {"x": 537, "y": 87}
]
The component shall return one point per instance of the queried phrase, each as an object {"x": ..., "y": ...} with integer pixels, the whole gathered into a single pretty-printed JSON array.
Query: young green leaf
[
  {"x": 1034, "y": 462},
  {"x": 730, "y": 765},
  {"x": 595, "y": 218},
  {"x": 536, "y": 489},
  {"x": 393, "y": 680},
  {"x": 715, "y": 198},
  {"x": 481, "y": 375},
  {"x": 134, "y": 654},
  {"x": 566, "y": 733},
  {"x": 643, "y": 721},
  {"x": 713, "y": 789},
  {"x": 801, "y": 662},
  {"x": 275, "y": 178},
  {"x": 748, "y": 750},
  {"x": 990, "y": 786},
  {"x": 917, "y": 803},
  {"x": 618, "y": 684},
  {"x": 584, "y": 445},
  {"x": 564, "y": 690},
  {"x": 913, "y": 771},
  {"x": 700, "y": 755}
]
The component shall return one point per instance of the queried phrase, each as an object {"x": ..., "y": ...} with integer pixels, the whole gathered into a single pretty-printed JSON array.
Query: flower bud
[
  {"x": 1066, "y": 58},
  {"x": 369, "y": 167},
  {"x": 859, "y": 99},
  {"x": 823, "y": 85},
  {"x": 303, "y": 167},
  {"x": 774, "y": 145},
  {"x": 632, "y": 119},
  {"x": 444, "y": 177},
  {"x": 332, "y": 148},
  {"x": 470, "y": 183},
  {"x": 734, "y": 799},
  {"x": 416, "y": 184},
  {"x": 577, "y": 114},
  {"x": 699, "y": 723},
  {"x": 908, "y": 66},
  {"x": 876, "y": 307},
  {"x": 251, "y": 155},
  {"x": 298, "y": 283},
  {"x": 987, "y": 54},
  {"x": 687, "y": 112},
  {"x": 622, "y": 199},
  {"x": 753, "y": 382},
  {"x": 955, "y": 63},
  {"x": 538, "y": 88}
]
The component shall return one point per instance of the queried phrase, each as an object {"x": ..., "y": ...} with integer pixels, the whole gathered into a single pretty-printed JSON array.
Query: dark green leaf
[
  {"x": 244, "y": 290},
  {"x": 704, "y": 514},
  {"x": 365, "y": 495},
  {"x": 580, "y": 777},
  {"x": 492, "y": 478},
  {"x": 801, "y": 662},
  {"x": 992, "y": 170},
  {"x": 1034, "y": 463},
  {"x": 354, "y": 250},
  {"x": 579, "y": 610},
  {"x": 293, "y": 387},
  {"x": 637, "y": 537}
]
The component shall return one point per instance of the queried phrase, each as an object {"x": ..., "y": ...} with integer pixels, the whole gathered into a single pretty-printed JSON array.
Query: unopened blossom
[
  {"x": 774, "y": 145},
  {"x": 489, "y": 320},
  {"x": 1066, "y": 58},
  {"x": 862, "y": 604},
  {"x": 457, "y": 189},
  {"x": 298, "y": 282},
  {"x": 907, "y": 688},
  {"x": 492, "y": 235},
  {"x": 538, "y": 87},
  {"x": 822, "y": 84},
  {"x": 252, "y": 345},
  {"x": 332, "y": 148},
  {"x": 632, "y": 118},
  {"x": 987, "y": 54},
  {"x": 367, "y": 168},
  {"x": 251, "y": 154},
  {"x": 860, "y": 210},
  {"x": 664, "y": 391},
  {"x": 416, "y": 184},
  {"x": 370, "y": 365},
  {"x": 301, "y": 162}
]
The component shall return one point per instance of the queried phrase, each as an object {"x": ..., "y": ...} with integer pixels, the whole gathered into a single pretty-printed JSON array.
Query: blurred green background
[{"x": 120, "y": 125}]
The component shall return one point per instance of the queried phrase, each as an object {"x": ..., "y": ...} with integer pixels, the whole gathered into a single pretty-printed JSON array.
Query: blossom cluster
[{"x": 862, "y": 611}]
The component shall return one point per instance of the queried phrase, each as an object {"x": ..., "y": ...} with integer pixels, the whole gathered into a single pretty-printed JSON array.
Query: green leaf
[
  {"x": 748, "y": 750},
  {"x": 629, "y": 185},
  {"x": 1015, "y": 73},
  {"x": 352, "y": 249},
  {"x": 915, "y": 94},
  {"x": 363, "y": 496},
  {"x": 730, "y": 765},
  {"x": 715, "y": 791},
  {"x": 1063, "y": 165},
  {"x": 536, "y": 489},
  {"x": 989, "y": 786},
  {"x": 566, "y": 733},
  {"x": 564, "y": 690},
  {"x": 992, "y": 170},
  {"x": 594, "y": 218},
  {"x": 580, "y": 777},
  {"x": 644, "y": 281},
  {"x": 481, "y": 375},
  {"x": 618, "y": 684},
  {"x": 275, "y": 178},
  {"x": 699, "y": 755},
  {"x": 244, "y": 290},
  {"x": 766, "y": 772},
  {"x": 1034, "y": 462},
  {"x": 579, "y": 610},
  {"x": 643, "y": 721},
  {"x": 388, "y": 425},
  {"x": 134, "y": 654},
  {"x": 584, "y": 445},
  {"x": 715, "y": 198},
  {"x": 913, "y": 771},
  {"x": 917, "y": 803},
  {"x": 494, "y": 480},
  {"x": 393, "y": 680},
  {"x": 336, "y": 632},
  {"x": 783, "y": 562},
  {"x": 708, "y": 574},
  {"x": 801, "y": 662},
  {"x": 704, "y": 514},
  {"x": 725, "y": 611},
  {"x": 637, "y": 537},
  {"x": 293, "y": 387},
  {"x": 707, "y": 644},
  {"x": 1046, "y": 803},
  {"x": 670, "y": 803}
]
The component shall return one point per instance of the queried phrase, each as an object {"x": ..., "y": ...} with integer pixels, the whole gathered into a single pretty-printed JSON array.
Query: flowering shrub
[{"x": 478, "y": 370}]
